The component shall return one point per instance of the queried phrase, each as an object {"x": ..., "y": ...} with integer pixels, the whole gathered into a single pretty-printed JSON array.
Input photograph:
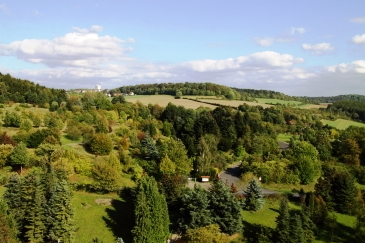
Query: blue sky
[{"x": 310, "y": 48}]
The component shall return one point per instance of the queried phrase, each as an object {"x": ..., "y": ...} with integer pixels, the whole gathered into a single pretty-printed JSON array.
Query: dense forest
[
  {"x": 145, "y": 157},
  {"x": 23, "y": 91}
]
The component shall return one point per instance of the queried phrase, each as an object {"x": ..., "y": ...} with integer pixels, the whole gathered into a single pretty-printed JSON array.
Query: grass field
[
  {"x": 341, "y": 123},
  {"x": 235, "y": 103},
  {"x": 267, "y": 216},
  {"x": 277, "y": 101},
  {"x": 163, "y": 100},
  {"x": 284, "y": 137}
]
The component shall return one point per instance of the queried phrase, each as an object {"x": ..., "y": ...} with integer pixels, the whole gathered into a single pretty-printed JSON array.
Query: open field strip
[
  {"x": 341, "y": 123},
  {"x": 277, "y": 101},
  {"x": 235, "y": 103},
  {"x": 163, "y": 100}
]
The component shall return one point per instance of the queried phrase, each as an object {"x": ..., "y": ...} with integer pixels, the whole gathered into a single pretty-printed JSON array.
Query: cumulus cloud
[
  {"x": 299, "y": 30},
  {"x": 82, "y": 47},
  {"x": 267, "y": 59},
  {"x": 359, "y": 39},
  {"x": 360, "y": 20},
  {"x": 318, "y": 49}
]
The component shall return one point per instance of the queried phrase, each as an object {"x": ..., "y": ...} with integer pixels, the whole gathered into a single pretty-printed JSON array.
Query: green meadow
[{"x": 341, "y": 123}]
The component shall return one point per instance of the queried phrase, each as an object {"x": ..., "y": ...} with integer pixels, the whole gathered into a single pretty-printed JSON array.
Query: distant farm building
[{"x": 97, "y": 88}]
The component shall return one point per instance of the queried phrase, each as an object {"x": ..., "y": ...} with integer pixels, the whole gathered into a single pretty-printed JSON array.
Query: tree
[
  {"x": 12, "y": 119},
  {"x": 33, "y": 228},
  {"x": 172, "y": 187},
  {"x": 12, "y": 197},
  {"x": 254, "y": 199},
  {"x": 152, "y": 219},
  {"x": 194, "y": 209},
  {"x": 5, "y": 139},
  {"x": 350, "y": 152},
  {"x": 315, "y": 208},
  {"x": 106, "y": 177},
  {"x": 166, "y": 166},
  {"x": 225, "y": 208},
  {"x": 60, "y": 204},
  {"x": 8, "y": 227},
  {"x": 20, "y": 156},
  {"x": 283, "y": 223},
  {"x": 101, "y": 144},
  {"x": 5, "y": 152},
  {"x": 207, "y": 234},
  {"x": 306, "y": 161},
  {"x": 296, "y": 230}
]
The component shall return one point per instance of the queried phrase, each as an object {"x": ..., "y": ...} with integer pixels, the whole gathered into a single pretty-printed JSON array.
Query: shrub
[{"x": 101, "y": 144}]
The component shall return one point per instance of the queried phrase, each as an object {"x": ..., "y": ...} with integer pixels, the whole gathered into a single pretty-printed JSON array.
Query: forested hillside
[
  {"x": 125, "y": 167},
  {"x": 24, "y": 91},
  {"x": 332, "y": 99},
  {"x": 354, "y": 109},
  {"x": 203, "y": 89}
]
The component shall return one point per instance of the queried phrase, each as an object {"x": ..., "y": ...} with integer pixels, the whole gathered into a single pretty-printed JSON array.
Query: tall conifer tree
[{"x": 152, "y": 219}]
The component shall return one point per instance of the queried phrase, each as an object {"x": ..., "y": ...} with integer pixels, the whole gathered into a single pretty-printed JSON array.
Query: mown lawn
[
  {"x": 284, "y": 137},
  {"x": 105, "y": 222},
  {"x": 341, "y": 123},
  {"x": 267, "y": 216}
]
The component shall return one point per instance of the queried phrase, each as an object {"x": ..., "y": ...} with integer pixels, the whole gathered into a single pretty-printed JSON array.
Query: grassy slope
[
  {"x": 268, "y": 214},
  {"x": 163, "y": 100},
  {"x": 341, "y": 123}
]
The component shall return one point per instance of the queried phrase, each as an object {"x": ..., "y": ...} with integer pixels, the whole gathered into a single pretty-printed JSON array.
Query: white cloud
[
  {"x": 359, "y": 39},
  {"x": 268, "y": 59},
  {"x": 318, "y": 49},
  {"x": 268, "y": 41},
  {"x": 264, "y": 41},
  {"x": 83, "y": 47},
  {"x": 299, "y": 30},
  {"x": 358, "y": 20}
]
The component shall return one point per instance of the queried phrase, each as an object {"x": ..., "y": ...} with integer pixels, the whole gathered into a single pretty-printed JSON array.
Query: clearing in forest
[{"x": 341, "y": 123}]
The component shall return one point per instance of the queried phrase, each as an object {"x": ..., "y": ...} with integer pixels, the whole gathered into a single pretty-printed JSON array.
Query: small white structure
[
  {"x": 205, "y": 178},
  {"x": 97, "y": 88}
]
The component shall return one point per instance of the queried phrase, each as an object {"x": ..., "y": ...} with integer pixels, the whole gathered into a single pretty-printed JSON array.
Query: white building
[{"x": 97, "y": 88}]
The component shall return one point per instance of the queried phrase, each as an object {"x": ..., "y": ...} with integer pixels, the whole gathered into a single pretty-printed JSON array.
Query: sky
[{"x": 303, "y": 48}]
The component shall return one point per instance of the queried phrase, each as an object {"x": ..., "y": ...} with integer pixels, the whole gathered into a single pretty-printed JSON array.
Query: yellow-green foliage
[
  {"x": 167, "y": 166},
  {"x": 5, "y": 151},
  {"x": 208, "y": 234}
]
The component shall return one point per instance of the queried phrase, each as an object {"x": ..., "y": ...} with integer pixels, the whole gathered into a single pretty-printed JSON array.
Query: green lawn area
[
  {"x": 341, "y": 123},
  {"x": 93, "y": 220},
  {"x": 277, "y": 101},
  {"x": 65, "y": 140},
  {"x": 268, "y": 214},
  {"x": 284, "y": 137}
]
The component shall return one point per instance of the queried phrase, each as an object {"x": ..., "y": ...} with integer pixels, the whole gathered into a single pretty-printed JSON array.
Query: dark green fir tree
[
  {"x": 151, "y": 214},
  {"x": 225, "y": 208}
]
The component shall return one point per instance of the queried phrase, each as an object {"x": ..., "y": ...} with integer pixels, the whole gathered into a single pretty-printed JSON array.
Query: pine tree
[
  {"x": 12, "y": 197},
  {"x": 225, "y": 208},
  {"x": 296, "y": 230},
  {"x": 283, "y": 223},
  {"x": 8, "y": 225},
  {"x": 151, "y": 214},
  {"x": 62, "y": 226},
  {"x": 194, "y": 209},
  {"x": 32, "y": 202},
  {"x": 254, "y": 199}
]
